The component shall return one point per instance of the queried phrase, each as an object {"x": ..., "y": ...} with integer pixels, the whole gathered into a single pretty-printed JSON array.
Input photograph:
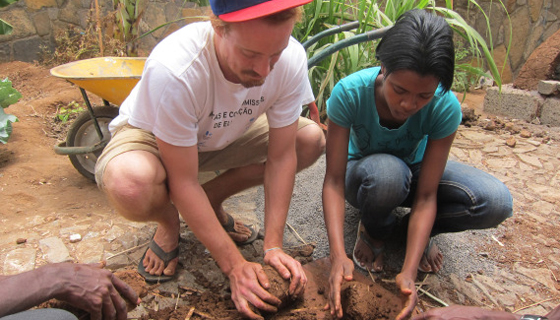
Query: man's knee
[
  {"x": 310, "y": 145},
  {"x": 132, "y": 185}
]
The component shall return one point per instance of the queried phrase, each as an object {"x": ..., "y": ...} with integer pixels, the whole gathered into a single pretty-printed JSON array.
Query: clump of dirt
[
  {"x": 279, "y": 287},
  {"x": 135, "y": 281},
  {"x": 363, "y": 301}
]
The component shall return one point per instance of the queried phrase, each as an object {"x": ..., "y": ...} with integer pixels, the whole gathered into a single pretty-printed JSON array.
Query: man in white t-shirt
[{"x": 220, "y": 95}]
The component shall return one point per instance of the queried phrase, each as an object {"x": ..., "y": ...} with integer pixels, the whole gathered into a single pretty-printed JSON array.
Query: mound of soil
[
  {"x": 363, "y": 301},
  {"x": 279, "y": 287}
]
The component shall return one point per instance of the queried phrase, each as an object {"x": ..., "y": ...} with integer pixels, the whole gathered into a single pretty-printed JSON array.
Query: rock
[
  {"x": 468, "y": 115},
  {"x": 75, "y": 237},
  {"x": 19, "y": 260},
  {"x": 54, "y": 250},
  {"x": 511, "y": 142},
  {"x": 490, "y": 126},
  {"x": 21, "y": 240},
  {"x": 548, "y": 87},
  {"x": 525, "y": 134}
]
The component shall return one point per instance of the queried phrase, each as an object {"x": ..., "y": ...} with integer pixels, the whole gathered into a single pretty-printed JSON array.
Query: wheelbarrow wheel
[{"x": 82, "y": 133}]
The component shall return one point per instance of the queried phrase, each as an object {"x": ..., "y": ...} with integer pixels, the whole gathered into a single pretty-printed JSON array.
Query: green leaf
[
  {"x": 5, "y": 3},
  {"x": 6, "y": 125},
  {"x": 8, "y": 95},
  {"x": 5, "y": 28}
]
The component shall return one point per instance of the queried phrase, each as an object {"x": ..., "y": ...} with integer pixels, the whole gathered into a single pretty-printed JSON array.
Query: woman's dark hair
[{"x": 421, "y": 42}]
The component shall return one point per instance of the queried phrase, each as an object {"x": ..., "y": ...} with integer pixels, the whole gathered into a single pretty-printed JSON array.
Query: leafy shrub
[{"x": 8, "y": 96}]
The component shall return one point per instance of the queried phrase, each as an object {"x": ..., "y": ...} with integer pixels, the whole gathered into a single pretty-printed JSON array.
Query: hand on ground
[
  {"x": 457, "y": 313},
  {"x": 341, "y": 270},
  {"x": 288, "y": 268},
  {"x": 95, "y": 290},
  {"x": 248, "y": 283},
  {"x": 408, "y": 295}
]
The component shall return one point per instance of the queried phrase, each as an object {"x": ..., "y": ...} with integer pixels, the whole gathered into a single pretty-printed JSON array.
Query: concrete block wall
[{"x": 541, "y": 106}]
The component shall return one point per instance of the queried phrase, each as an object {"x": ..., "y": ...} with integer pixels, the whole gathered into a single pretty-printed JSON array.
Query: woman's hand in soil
[
  {"x": 248, "y": 283},
  {"x": 288, "y": 268},
  {"x": 408, "y": 295},
  {"x": 341, "y": 270},
  {"x": 93, "y": 289}
]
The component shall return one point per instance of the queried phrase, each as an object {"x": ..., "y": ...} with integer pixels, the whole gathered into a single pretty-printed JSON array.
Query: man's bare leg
[
  {"x": 310, "y": 145},
  {"x": 135, "y": 185}
]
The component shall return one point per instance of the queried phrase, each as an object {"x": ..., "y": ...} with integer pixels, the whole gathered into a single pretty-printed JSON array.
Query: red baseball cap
[{"x": 243, "y": 10}]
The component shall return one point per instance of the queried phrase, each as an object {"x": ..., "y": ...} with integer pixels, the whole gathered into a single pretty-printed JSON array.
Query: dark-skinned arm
[
  {"x": 87, "y": 287},
  {"x": 333, "y": 209},
  {"x": 422, "y": 217}
]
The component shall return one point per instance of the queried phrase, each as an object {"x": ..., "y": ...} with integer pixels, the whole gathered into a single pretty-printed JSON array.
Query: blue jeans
[
  {"x": 468, "y": 198},
  {"x": 41, "y": 314}
]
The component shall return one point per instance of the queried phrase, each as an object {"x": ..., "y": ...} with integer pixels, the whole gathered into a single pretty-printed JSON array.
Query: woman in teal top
[{"x": 389, "y": 135}]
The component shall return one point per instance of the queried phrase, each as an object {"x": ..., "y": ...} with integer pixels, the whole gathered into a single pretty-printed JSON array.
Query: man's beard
[{"x": 252, "y": 83}]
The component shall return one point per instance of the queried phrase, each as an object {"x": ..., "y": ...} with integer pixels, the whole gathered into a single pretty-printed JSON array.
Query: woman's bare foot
[
  {"x": 432, "y": 259},
  {"x": 368, "y": 252}
]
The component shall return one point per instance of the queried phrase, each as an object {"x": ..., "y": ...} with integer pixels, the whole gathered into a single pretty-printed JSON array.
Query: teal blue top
[{"x": 352, "y": 105}]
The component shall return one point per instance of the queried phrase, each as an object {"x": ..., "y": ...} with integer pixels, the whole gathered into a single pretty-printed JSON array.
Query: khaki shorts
[{"x": 248, "y": 149}]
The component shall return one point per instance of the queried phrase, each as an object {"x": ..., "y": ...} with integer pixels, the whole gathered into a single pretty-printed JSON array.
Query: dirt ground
[{"x": 34, "y": 181}]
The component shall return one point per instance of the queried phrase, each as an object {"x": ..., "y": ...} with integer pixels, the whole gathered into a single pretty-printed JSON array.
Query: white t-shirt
[{"x": 185, "y": 100}]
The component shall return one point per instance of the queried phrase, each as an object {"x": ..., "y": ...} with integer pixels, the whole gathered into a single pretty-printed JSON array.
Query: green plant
[
  {"x": 5, "y": 28},
  {"x": 322, "y": 14},
  {"x": 72, "y": 109},
  {"x": 128, "y": 15},
  {"x": 466, "y": 75},
  {"x": 8, "y": 96}
]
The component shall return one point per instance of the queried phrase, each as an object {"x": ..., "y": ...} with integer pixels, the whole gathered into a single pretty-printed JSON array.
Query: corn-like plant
[{"x": 128, "y": 15}]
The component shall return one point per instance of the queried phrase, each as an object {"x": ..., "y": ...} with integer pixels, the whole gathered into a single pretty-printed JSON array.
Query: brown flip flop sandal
[{"x": 230, "y": 227}]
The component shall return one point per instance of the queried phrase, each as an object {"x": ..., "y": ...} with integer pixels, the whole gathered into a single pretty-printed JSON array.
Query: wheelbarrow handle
[
  {"x": 362, "y": 37},
  {"x": 330, "y": 31}
]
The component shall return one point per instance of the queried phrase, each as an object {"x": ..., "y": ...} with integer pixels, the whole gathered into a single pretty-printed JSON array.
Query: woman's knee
[{"x": 383, "y": 180}]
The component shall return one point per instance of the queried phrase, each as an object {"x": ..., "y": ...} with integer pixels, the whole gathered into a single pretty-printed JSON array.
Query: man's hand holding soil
[{"x": 288, "y": 268}]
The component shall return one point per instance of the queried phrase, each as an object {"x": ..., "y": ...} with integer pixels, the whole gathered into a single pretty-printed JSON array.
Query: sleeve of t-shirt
[
  {"x": 341, "y": 104},
  {"x": 448, "y": 117},
  {"x": 160, "y": 106},
  {"x": 296, "y": 90}
]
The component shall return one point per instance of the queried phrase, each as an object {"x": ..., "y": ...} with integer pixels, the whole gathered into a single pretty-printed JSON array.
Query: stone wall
[
  {"x": 37, "y": 22},
  {"x": 532, "y": 22}
]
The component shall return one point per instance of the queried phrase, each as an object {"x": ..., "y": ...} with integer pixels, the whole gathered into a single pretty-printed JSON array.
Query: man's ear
[{"x": 219, "y": 30}]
